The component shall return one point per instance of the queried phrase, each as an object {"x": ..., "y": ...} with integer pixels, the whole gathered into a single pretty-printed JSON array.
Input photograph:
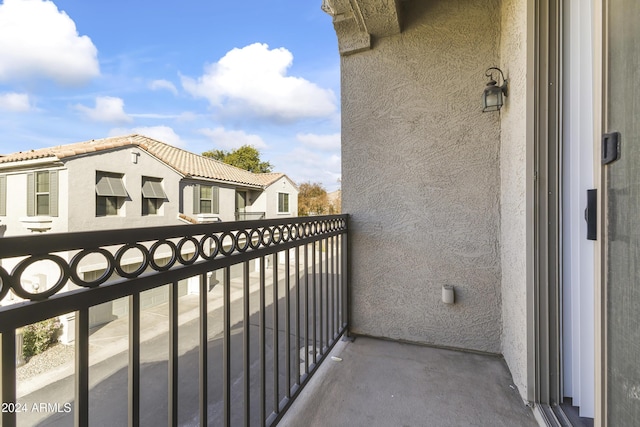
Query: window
[
  {"x": 110, "y": 193},
  {"x": 152, "y": 195},
  {"x": 205, "y": 199},
  {"x": 42, "y": 193},
  {"x": 283, "y": 202},
  {"x": 3, "y": 195}
]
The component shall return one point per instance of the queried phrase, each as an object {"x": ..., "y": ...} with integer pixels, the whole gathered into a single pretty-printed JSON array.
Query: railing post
[
  {"x": 82, "y": 367},
  {"x": 8, "y": 375},
  {"x": 226, "y": 347},
  {"x": 134, "y": 359},
  {"x": 173, "y": 354},
  {"x": 203, "y": 363},
  {"x": 246, "y": 342},
  {"x": 262, "y": 322}
]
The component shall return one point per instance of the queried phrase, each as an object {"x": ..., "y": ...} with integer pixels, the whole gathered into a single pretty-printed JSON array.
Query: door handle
[{"x": 591, "y": 214}]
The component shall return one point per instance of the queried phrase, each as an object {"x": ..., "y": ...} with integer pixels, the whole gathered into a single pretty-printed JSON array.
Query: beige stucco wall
[
  {"x": 513, "y": 54},
  {"x": 421, "y": 178},
  {"x": 269, "y": 198},
  {"x": 226, "y": 199},
  {"x": 82, "y": 196}
]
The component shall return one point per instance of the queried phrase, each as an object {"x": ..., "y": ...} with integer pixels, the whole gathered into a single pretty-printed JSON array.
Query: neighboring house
[
  {"x": 131, "y": 181},
  {"x": 128, "y": 182},
  {"x": 440, "y": 193}
]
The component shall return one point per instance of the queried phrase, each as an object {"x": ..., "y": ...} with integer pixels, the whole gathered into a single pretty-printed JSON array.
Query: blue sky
[{"x": 197, "y": 74}]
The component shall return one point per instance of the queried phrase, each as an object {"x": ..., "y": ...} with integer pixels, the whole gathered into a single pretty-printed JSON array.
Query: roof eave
[{"x": 31, "y": 163}]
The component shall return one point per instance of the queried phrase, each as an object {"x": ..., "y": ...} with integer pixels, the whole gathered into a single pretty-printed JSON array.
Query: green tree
[
  {"x": 312, "y": 199},
  {"x": 246, "y": 157}
]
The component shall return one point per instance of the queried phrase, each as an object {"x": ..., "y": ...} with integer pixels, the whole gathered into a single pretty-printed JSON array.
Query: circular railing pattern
[{"x": 186, "y": 251}]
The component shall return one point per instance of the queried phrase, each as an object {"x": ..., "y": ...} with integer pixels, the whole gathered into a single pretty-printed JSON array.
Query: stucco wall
[
  {"x": 226, "y": 199},
  {"x": 282, "y": 185},
  {"x": 82, "y": 196},
  {"x": 11, "y": 224},
  {"x": 513, "y": 195},
  {"x": 421, "y": 178}
]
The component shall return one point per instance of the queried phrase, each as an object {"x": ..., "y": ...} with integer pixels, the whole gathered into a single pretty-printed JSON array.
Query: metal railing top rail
[
  {"x": 57, "y": 242},
  {"x": 214, "y": 246}
]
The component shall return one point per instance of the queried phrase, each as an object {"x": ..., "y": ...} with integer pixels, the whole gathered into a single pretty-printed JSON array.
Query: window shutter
[
  {"x": 152, "y": 189},
  {"x": 215, "y": 208},
  {"x": 109, "y": 184},
  {"x": 53, "y": 193},
  {"x": 3, "y": 195},
  {"x": 31, "y": 194},
  {"x": 196, "y": 199}
]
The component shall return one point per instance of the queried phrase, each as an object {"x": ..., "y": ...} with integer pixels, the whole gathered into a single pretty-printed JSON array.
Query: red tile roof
[{"x": 185, "y": 162}]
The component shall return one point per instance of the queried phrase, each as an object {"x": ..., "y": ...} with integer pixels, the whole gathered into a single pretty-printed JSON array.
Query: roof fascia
[{"x": 31, "y": 164}]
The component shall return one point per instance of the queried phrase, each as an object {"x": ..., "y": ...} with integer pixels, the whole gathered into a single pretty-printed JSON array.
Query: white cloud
[
  {"x": 161, "y": 133},
  {"x": 187, "y": 116},
  {"x": 329, "y": 142},
  {"x": 38, "y": 40},
  {"x": 304, "y": 165},
  {"x": 14, "y": 102},
  {"x": 254, "y": 79},
  {"x": 108, "y": 109},
  {"x": 154, "y": 116},
  {"x": 163, "y": 85},
  {"x": 230, "y": 139}
]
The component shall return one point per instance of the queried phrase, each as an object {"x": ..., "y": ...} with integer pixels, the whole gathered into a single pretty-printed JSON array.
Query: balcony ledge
[
  {"x": 37, "y": 223},
  {"x": 206, "y": 218}
]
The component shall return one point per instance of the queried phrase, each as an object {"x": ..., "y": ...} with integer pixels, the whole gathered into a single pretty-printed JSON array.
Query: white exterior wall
[{"x": 256, "y": 201}]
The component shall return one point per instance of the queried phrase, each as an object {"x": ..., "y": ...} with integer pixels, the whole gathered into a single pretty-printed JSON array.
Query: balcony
[{"x": 175, "y": 325}]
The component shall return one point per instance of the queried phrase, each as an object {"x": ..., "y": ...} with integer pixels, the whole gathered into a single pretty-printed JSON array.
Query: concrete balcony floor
[{"x": 371, "y": 382}]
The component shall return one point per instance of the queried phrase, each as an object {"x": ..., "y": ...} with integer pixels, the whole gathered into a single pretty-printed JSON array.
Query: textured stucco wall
[
  {"x": 282, "y": 185},
  {"x": 513, "y": 195},
  {"x": 421, "y": 178},
  {"x": 82, "y": 197}
]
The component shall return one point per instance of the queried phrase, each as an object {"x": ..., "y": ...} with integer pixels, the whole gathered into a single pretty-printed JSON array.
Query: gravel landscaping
[{"x": 53, "y": 357}]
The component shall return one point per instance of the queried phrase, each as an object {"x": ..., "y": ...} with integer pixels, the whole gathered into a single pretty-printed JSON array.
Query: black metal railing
[
  {"x": 275, "y": 330},
  {"x": 245, "y": 216}
]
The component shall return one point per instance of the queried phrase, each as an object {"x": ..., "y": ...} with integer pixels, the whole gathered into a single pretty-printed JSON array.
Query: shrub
[{"x": 38, "y": 337}]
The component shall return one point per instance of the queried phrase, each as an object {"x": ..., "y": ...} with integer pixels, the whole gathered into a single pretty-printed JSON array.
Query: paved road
[{"x": 108, "y": 379}]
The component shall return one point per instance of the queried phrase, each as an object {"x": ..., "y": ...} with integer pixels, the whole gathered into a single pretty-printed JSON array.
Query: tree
[
  {"x": 312, "y": 199},
  {"x": 246, "y": 157}
]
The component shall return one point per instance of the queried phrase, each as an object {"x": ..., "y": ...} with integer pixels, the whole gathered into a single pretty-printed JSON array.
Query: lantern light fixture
[{"x": 492, "y": 97}]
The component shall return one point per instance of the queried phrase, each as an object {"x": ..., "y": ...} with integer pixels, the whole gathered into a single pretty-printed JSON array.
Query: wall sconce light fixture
[{"x": 492, "y": 97}]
